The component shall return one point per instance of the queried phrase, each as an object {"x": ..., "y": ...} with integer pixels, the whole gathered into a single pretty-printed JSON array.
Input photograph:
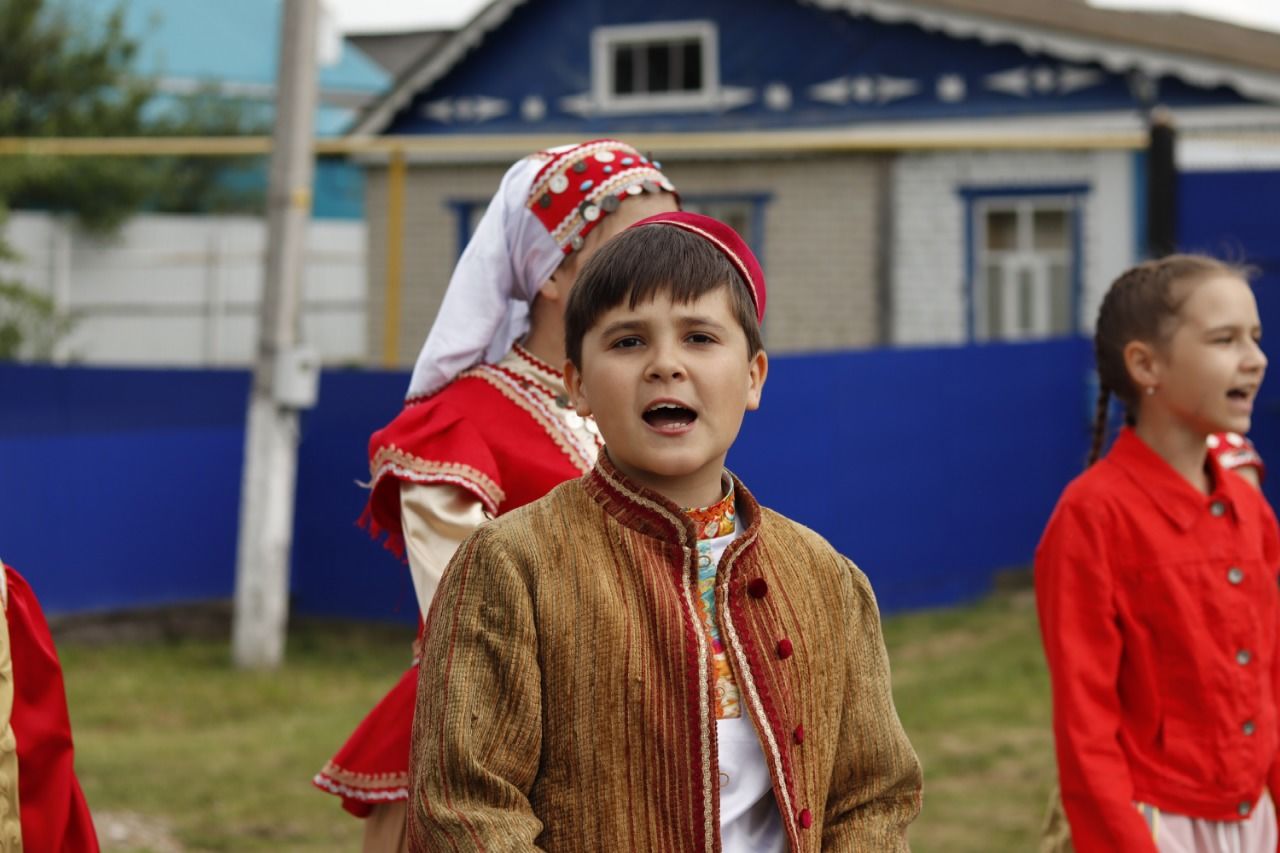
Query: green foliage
[
  {"x": 73, "y": 76},
  {"x": 30, "y": 324},
  {"x": 65, "y": 76}
]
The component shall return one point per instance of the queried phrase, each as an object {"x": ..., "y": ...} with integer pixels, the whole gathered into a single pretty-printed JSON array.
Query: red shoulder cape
[
  {"x": 494, "y": 435},
  {"x": 488, "y": 432},
  {"x": 55, "y": 816}
]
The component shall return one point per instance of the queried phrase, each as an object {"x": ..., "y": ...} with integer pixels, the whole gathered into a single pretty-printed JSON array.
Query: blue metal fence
[{"x": 932, "y": 468}]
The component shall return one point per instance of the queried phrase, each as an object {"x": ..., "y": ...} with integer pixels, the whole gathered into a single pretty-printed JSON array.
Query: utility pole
[
  {"x": 1162, "y": 184},
  {"x": 285, "y": 375}
]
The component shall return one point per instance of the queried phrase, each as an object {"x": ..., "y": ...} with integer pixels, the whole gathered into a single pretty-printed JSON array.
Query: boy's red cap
[{"x": 727, "y": 241}]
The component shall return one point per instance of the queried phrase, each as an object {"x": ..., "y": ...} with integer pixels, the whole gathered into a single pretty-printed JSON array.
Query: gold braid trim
[
  {"x": 392, "y": 459},
  {"x": 369, "y": 781},
  {"x": 554, "y": 426}
]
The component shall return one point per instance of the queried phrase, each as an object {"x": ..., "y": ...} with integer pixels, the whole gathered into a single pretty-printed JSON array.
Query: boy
[{"x": 611, "y": 672}]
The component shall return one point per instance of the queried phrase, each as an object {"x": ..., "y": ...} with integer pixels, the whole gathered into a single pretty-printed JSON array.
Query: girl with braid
[{"x": 1156, "y": 582}]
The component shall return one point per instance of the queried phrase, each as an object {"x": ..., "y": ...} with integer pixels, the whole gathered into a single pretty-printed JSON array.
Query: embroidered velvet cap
[
  {"x": 727, "y": 242},
  {"x": 580, "y": 185}
]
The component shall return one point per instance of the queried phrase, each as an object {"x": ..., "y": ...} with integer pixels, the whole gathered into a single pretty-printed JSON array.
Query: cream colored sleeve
[{"x": 436, "y": 519}]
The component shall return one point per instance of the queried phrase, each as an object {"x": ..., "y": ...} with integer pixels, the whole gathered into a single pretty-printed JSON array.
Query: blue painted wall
[
  {"x": 544, "y": 50},
  {"x": 932, "y": 468}
]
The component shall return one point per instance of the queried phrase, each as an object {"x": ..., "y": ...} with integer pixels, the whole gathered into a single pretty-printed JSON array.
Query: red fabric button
[
  {"x": 799, "y": 734},
  {"x": 806, "y": 819},
  {"x": 757, "y": 588},
  {"x": 784, "y": 648}
]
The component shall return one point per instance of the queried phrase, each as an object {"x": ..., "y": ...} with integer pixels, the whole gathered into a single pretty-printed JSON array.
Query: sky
[{"x": 392, "y": 15}]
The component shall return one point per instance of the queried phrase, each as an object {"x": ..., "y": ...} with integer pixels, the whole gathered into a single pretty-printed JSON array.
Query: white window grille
[
  {"x": 657, "y": 67},
  {"x": 1025, "y": 268}
]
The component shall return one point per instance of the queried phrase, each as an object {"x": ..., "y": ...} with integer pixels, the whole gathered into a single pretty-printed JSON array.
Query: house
[
  {"x": 396, "y": 52},
  {"x": 910, "y": 171}
]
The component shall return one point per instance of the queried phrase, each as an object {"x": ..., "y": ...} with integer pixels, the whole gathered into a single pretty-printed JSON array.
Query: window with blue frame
[
  {"x": 744, "y": 214},
  {"x": 1024, "y": 262},
  {"x": 467, "y": 213}
]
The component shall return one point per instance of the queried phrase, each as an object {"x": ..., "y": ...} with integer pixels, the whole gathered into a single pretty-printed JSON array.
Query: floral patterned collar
[{"x": 719, "y": 519}]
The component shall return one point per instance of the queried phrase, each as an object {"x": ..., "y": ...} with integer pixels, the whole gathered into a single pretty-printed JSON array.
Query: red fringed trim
[{"x": 394, "y": 541}]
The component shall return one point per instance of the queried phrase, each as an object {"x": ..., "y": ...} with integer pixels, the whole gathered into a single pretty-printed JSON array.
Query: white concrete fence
[{"x": 172, "y": 290}]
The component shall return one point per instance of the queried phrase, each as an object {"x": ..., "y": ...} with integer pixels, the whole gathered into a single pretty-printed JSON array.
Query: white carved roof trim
[{"x": 1115, "y": 56}]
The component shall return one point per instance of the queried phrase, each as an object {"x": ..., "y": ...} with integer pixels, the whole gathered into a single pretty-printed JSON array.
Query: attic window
[{"x": 655, "y": 67}]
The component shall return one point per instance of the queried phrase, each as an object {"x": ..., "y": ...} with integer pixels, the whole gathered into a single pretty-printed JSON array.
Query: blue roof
[{"x": 230, "y": 41}]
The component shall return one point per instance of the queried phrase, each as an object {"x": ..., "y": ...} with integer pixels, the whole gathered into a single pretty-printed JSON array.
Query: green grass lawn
[
  {"x": 973, "y": 693},
  {"x": 178, "y": 751}
]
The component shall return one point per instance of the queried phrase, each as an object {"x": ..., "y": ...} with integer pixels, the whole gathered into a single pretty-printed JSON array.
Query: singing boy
[{"x": 646, "y": 659}]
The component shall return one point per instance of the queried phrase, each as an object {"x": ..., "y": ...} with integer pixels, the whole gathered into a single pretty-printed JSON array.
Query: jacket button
[
  {"x": 1217, "y": 508},
  {"x": 1235, "y": 574},
  {"x": 1243, "y": 657},
  {"x": 806, "y": 819},
  {"x": 784, "y": 648},
  {"x": 1248, "y": 728},
  {"x": 799, "y": 735},
  {"x": 757, "y": 588},
  {"x": 1244, "y": 808}
]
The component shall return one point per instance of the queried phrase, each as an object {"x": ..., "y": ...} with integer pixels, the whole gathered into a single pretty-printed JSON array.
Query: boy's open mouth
[
  {"x": 1239, "y": 393},
  {"x": 669, "y": 415}
]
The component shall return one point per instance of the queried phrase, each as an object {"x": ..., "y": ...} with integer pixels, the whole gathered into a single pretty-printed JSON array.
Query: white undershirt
[{"x": 749, "y": 817}]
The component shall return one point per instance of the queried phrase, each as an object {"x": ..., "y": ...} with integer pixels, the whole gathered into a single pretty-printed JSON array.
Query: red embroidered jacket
[
  {"x": 496, "y": 435},
  {"x": 490, "y": 432},
  {"x": 1158, "y": 610}
]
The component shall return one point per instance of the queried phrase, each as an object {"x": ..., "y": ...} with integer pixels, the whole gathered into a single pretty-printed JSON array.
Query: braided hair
[{"x": 1142, "y": 305}]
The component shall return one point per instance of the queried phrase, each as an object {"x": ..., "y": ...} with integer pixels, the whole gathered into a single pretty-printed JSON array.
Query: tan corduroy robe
[{"x": 565, "y": 701}]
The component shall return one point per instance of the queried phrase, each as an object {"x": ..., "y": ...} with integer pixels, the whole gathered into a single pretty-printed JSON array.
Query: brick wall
[
  {"x": 820, "y": 249},
  {"x": 928, "y": 252},
  {"x": 430, "y": 247}
]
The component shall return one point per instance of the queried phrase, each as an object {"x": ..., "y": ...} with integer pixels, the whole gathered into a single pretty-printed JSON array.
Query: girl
[{"x": 1156, "y": 582}]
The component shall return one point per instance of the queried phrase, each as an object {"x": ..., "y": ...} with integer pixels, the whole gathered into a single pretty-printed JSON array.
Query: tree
[
  {"x": 65, "y": 76},
  {"x": 73, "y": 76},
  {"x": 30, "y": 325}
]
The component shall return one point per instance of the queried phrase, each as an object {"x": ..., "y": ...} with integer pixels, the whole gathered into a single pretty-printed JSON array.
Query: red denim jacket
[{"x": 1158, "y": 610}]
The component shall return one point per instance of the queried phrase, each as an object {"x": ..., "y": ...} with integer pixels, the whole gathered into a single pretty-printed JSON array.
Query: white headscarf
[
  {"x": 486, "y": 308},
  {"x": 519, "y": 243}
]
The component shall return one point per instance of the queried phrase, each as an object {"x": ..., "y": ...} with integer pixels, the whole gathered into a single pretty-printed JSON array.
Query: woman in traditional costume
[{"x": 487, "y": 426}]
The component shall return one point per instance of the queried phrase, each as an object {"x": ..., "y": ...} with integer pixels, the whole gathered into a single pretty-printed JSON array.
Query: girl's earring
[{"x": 1151, "y": 389}]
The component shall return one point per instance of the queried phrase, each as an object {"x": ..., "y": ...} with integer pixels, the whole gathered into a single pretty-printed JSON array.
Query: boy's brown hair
[{"x": 640, "y": 263}]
